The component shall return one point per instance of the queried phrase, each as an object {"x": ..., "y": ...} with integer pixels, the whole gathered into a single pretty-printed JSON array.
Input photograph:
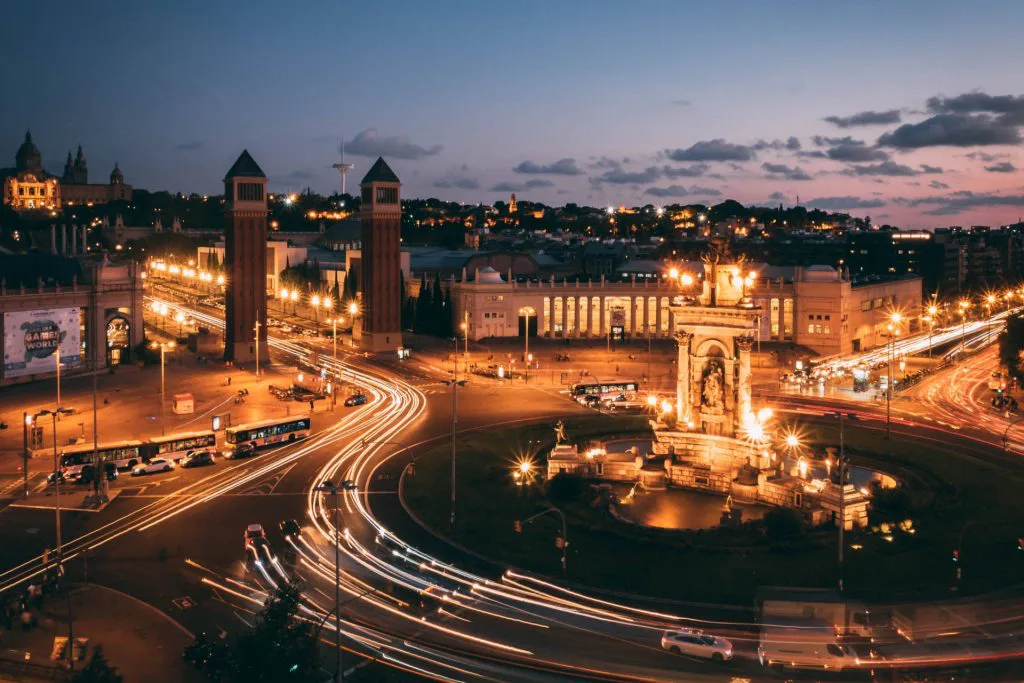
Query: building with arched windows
[{"x": 27, "y": 187}]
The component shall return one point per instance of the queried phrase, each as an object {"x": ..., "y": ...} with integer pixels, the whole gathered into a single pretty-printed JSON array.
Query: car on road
[
  {"x": 198, "y": 458},
  {"x": 356, "y": 400},
  {"x": 254, "y": 535},
  {"x": 242, "y": 450},
  {"x": 153, "y": 466},
  {"x": 290, "y": 527},
  {"x": 696, "y": 643},
  {"x": 86, "y": 475}
]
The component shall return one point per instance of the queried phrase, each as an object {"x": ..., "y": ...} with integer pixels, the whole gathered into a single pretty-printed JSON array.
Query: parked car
[
  {"x": 696, "y": 643},
  {"x": 242, "y": 450},
  {"x": 290, "y": 527},
  {"x": 153, "y": 466},
  {"x": 356, "y": 400},
  {"x": 198, "y": 458}
]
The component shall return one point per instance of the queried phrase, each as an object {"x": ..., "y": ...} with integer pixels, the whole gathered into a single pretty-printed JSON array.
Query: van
[{"x": 804, "y": 645}]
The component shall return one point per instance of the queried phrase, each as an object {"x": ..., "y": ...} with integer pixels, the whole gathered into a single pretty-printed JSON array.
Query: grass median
[{"x": 948, "y": 492}]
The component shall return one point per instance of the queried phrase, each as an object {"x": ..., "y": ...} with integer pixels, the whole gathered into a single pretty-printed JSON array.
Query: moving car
[
  {"x": 153, "y": 466},
  {"x": 696, "y": 643},
  {"x": 290, "y": 527},
  {"x": 197, "y": 459},
  {"x": 356, "y": 400},
  {"x": 803, "y": 644},
  {"x": 242, "y": 450},
  {"x": 254, "y": 535}
]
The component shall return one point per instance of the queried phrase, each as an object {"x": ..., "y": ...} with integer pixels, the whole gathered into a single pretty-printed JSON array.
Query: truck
[
  {"x": 848, "y": 618},
  {"x": 803, "y": 644}
]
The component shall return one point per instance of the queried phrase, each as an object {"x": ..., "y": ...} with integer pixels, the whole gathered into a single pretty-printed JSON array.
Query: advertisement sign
[{"x": 31, "y": 339}]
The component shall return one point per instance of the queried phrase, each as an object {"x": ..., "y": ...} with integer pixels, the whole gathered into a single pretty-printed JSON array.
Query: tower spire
[{"x": 343, "y": 168}]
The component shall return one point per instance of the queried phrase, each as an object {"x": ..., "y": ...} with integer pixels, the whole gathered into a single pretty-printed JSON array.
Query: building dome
[
  {"x": 116, "y": 177},
  {"x": 28, "y": 157},
  {"x": 490, "y": 276}
]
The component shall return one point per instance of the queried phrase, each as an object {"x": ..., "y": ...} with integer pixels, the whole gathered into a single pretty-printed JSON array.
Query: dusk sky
[{"x": 910, "y": 112}]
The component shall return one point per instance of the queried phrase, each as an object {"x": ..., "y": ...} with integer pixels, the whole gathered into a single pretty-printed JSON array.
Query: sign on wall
[{"x": 31, "y": 339}]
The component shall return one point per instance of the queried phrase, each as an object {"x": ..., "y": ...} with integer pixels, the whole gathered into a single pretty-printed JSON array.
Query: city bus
[
  {"x": 124, "y": 454},
  {"x": 267, "y": 432},
  {"x": 176, "y": 446},
  {"x": 603, "y": 390}
]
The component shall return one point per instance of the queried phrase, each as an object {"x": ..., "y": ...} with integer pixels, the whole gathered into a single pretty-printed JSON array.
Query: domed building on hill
[{"x": 28, "y": 187}]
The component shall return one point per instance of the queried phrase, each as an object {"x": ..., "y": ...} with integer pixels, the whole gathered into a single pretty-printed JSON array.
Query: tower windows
[
  {"x": 249, "y": 192},
  {"x": 387, "y": 195}
]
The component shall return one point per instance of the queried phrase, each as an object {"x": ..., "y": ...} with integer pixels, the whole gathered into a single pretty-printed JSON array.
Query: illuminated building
[{"x": 27, "y": 187}]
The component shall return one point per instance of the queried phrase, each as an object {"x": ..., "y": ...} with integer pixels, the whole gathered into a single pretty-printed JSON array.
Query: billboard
[{"x": 31, "y": 339}]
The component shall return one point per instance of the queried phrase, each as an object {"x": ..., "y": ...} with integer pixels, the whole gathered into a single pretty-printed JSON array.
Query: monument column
[
  {"x": 743, "y": 398},
  {"x": 683, "y": 377},
  {"x": 245, "y": 258}
]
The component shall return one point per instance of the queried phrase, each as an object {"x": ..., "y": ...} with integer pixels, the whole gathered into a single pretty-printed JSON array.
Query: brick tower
[
  {"x": 245, "y": 255},
  {"x": 380, "y": 214}
]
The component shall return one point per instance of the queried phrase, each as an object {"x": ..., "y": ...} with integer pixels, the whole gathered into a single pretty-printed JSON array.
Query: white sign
[{"x": 31, "y": 339}]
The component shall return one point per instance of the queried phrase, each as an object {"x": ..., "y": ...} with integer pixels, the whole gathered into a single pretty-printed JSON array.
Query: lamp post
[
  {"x": 353, "y": 311},
  {"x": 256, "y": 338},
  {"x": 454, "y": 381},
  {"x": 894, "y": 321},
  {"x": 294, "y": 296},
  {"x": 57, "y": 474},
  {"x": 842, "y": 494},
  {"x": 314, "y": 301},
  {"x": 56, "y": 354},
  {"x": 328, "y": 304},
  {"x": 933, "y": 312},
  {"x": 163, "y": 346},
  {"x": 464, "y": 326},
  {"x": 179, "y": 317},
  {"x": 328, "y": 487},
  {"x": 964, "y": 307},
  {"x": 526, "y": 311}
]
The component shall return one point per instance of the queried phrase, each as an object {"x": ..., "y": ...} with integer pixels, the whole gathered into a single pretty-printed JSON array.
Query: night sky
[{"x": 910, "y": 112}]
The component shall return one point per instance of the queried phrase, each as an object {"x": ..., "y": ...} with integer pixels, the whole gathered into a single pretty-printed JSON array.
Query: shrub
[
  {"x": 566, "y": 488},
  {"x": 782, "y": 523}
]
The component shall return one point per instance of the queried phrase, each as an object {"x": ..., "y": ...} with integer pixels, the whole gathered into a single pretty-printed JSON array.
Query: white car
[
  {"x": 153, "y": 466},
  {"x": 697, "y": 644}
]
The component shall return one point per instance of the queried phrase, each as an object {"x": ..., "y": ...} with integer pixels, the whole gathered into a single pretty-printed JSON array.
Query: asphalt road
[{"x": 415, "y": 602}]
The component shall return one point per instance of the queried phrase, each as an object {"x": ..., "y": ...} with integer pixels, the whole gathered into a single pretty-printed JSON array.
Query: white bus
[
  {"x": 125, "y": 454},
  {"x": 268, "y": 432},
  {"x": 177, "y": 446}
]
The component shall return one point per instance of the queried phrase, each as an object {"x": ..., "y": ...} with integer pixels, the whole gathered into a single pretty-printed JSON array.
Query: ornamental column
[
  {"x": 683, "y": 377},
  {"x": 743, "y": 400}
]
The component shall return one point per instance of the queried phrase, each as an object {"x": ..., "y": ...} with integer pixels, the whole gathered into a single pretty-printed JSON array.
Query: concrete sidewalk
[{"x": 140, "y": 641}]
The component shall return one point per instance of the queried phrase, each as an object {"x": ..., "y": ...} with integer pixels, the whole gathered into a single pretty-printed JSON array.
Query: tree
[
  {"x": 280, "y": 647},
  {"x": 1011, "y": 344},
  {"x": 782, "y": 523},
  {"x": 566, "y": 488},
  {"x": 98, "y": 670}
]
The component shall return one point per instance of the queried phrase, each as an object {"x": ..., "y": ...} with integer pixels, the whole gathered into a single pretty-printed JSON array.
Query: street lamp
[
  {"x": 180, "y": 318},
  {"x": 964, "y": 305},
  {"x": 990, "y": 301},
  {"x": 894, "y": 321},
  {"x": 57, "y": 474},
  {"x": 931, "y": 318},
  {"x": 294, "y": 296},
  {"x": 527, "y": 311},
  {"x": 315, "y": 303},
  {"x": 163, "y": 346},
  {"x": 464, "y": 326},
  {"x": 328, "y": 487}
]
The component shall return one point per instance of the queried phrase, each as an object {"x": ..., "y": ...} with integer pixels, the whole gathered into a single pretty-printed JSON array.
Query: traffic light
[
  {"x": 1020, "y": 543},
  {"x": 956, "y": 555},
  {"x": 517, "y": 526},
  {"x": 559, "y": 542}
]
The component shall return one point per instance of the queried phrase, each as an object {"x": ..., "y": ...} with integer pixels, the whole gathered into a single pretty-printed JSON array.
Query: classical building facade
[
  {"x": 818, "y": 307},
  {"x": 103, "y": 299},
  {"x": 28, "y": 187}
]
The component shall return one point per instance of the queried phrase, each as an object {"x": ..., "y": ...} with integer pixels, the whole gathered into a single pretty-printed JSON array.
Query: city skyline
[{"x": 846, "y": 108}]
